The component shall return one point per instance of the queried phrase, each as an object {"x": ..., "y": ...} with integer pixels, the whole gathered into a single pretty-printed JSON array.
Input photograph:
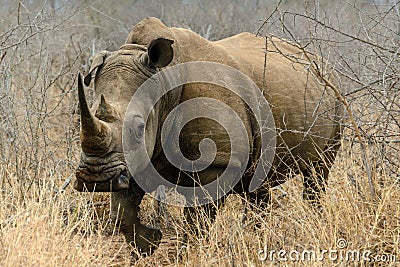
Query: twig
[
  {"x": 341, "y": 32},
  {"x": 270, "y": 16},
  {"x": 354, "y": 182},
  {"x": 66, "y": 183}
]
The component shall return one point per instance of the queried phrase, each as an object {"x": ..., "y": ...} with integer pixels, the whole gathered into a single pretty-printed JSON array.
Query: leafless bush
[
  {"x": 35, "y": 94},
  {"x": 43, "y": 45}
]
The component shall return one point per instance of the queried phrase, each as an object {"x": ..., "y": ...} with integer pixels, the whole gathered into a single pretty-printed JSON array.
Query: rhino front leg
[
  {"x": 125, "y": 208},
  {"x": 199, "y": 218}
]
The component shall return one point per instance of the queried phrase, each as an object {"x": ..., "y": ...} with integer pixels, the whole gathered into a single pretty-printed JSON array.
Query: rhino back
[{"x": 304, "y": 111}]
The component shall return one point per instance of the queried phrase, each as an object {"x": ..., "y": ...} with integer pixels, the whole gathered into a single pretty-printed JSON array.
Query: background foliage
[{"x": 43, "y": 45}]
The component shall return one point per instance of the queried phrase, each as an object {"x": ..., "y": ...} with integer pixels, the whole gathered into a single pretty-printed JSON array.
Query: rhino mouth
[{"x": 102, "y": 174}]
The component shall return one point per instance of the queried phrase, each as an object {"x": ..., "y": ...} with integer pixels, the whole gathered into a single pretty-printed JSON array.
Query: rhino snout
[{"x": 105, "y": 174}]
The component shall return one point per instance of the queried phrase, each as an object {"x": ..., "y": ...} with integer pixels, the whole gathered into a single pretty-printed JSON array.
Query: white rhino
[{"x": 305, "y": 112}]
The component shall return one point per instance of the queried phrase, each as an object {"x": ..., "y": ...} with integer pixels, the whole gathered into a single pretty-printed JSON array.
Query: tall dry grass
[
  {"x": 43, "y": 222},
  {"x": 71, "y": 229}
]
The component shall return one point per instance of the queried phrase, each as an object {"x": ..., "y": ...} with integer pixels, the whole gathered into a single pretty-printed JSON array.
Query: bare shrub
[{"x": 43, "y": 45}]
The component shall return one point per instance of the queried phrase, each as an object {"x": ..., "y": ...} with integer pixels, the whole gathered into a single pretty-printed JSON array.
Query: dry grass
[
  {"x": 55, "y": 230},
  {"x": 41, "y": 51},
  {"x": 71, "y": 229}
]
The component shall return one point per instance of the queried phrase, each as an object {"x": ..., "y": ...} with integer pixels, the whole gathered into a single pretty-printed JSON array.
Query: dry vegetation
[{"x": 43, "y": 222}]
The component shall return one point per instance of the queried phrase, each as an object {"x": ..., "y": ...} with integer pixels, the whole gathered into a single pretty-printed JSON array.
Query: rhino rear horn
[
  {"x": 106, "y": 112},
  {"x": 95, "y": 134}
]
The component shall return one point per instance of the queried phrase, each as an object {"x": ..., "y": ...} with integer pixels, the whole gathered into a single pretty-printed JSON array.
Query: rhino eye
[
  {"x": 137, "y": 127},
  {"x": 140, "y": 130}
]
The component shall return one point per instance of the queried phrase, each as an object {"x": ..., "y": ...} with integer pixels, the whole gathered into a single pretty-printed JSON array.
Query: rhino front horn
[{"x": 95, "y": 134}]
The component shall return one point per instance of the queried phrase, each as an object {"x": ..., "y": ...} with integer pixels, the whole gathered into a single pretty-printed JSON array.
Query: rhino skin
[{"x": 306, "y": 116}]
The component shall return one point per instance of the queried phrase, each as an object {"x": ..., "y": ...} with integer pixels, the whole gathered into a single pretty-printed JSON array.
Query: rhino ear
[
  {"x": 160, "y": 52},
  {"x": 97, "y": 61}
]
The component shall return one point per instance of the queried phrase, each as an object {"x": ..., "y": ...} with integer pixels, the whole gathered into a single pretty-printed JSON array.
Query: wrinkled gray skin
[{"x": 305, "y": 113}]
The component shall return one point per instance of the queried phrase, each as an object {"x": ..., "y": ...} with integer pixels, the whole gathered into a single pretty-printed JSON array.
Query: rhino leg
[
  {"x": 314, "y": 182},
  {"x": 260, "y": 198},
  {"x": 316, "y": 175},
  {"x": 125, "y": 208},
  {"x": 200, "y": 218}
]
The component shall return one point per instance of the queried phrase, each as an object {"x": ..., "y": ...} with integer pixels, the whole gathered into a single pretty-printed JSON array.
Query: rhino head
[
  {"x": 117, "y": 76},
  {"x": 102, "y": 166}
]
